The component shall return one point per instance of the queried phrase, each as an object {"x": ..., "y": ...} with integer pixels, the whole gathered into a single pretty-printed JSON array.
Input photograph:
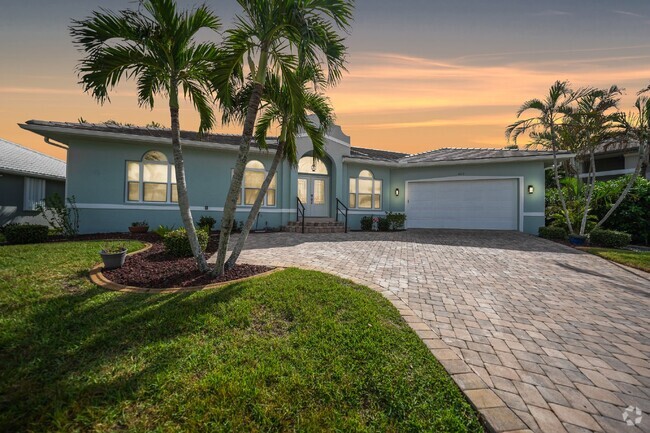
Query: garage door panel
[{"x": 476, "y": 204}]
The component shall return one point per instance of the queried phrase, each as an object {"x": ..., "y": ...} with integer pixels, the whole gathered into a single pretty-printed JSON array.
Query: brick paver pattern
[{"x": 562, "y": 337}]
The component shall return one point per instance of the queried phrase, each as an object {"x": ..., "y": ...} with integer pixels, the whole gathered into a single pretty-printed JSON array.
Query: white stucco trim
[
  {"x": 520, "y": 180},
  {"x": 366, "y": 212},
  {"x": 329, "y": 137},
  {"x": 534, "y": 214},
  {"x": 167, "y": 207},
  {"x": 609, "y": 173}
]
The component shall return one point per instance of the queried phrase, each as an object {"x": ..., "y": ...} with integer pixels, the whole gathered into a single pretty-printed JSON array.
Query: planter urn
[
  {"x": 139, "y": 229},
  {"x": 113, "y": 260},
  {"x": 577, "y": 240}
]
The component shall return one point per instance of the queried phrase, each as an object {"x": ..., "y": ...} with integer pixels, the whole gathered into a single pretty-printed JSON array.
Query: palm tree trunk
[
  {"x": 592, "y": 184},
  {"x": 628, "y": 187},
  {"x": 238, "y": 174},
  {"x": 239, "y": 246},
  {"x": 181, "y": 188},
  {"x": 557, "y": 181}
]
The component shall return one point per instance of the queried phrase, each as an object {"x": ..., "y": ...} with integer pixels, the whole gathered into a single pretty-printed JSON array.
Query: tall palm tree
[
  {"x": 551, "y": 112},
  {"x": 156, "y": 46},
  {"x": 280, "y": 35},
  {"x": 637, "y": 126},
  {"x": 592, "y": 123},
  {"x": 280, "y": 104}
]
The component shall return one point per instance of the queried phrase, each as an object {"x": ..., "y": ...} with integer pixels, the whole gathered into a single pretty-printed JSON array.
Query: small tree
[{"x": 61, "y": 217}]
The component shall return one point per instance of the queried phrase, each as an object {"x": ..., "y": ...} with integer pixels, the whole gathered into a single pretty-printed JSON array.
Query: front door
[{"x": 312, "y": 192}]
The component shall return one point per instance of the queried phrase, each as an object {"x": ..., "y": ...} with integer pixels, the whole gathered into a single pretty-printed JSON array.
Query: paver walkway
[{"x": 560, "y": 337}]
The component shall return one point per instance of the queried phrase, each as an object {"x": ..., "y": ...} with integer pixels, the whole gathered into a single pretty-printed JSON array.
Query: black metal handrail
[
  {"x": 339, "y": 205},
  {"x": 300, "y": 211}
]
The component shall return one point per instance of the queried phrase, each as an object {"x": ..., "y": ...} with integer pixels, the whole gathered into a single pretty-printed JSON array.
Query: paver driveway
[{"x": 561, "y": 337}]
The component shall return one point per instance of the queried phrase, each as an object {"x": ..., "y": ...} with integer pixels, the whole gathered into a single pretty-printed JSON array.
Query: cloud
[
  {"x": 629, "y": 14},
  {"x": 551, "y": 13}
]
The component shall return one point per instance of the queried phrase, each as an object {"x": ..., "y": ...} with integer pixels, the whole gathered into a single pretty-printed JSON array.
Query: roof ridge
[
  {"x": 379, "y": 150},
  {"x": 29, "y": 149}
]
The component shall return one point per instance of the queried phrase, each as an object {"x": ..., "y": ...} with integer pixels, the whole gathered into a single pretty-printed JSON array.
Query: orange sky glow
[{"x": 387, "y": 100}]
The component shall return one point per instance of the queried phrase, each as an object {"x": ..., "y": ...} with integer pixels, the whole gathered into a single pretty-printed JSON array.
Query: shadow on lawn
[{"x": 47, "y": 362}]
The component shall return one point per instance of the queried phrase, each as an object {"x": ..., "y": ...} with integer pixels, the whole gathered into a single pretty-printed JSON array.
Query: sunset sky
[{"x": 422, "y": 74}]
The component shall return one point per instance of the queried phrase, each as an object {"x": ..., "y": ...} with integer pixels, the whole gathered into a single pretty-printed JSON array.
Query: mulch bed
[{"x": 154, "y": 268}]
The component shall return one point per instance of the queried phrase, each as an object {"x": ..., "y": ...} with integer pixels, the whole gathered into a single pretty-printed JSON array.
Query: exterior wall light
[
  {"x": 531, "y": 189},
  {"x": 396, "y": 192}
]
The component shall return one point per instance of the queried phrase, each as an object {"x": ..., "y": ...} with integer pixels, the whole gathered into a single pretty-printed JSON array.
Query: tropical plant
[
  {"x": 113, "y": 247},
  {"x": 551, "y": 112},
  {"x": 162, "y": 230},
  {"x": 142, "y": 223},
  {"x": 178, "y": 244},
  {"x": 637, "y": 125},
  {"x": 156, "y": 46},
  {"x": 207, "y": 221},
  {"x": 282, "y": 35},
  {"x": 396, "y": 220},
  {"x": 61, "y": 216},
  {"x": 279, "y": 106}
]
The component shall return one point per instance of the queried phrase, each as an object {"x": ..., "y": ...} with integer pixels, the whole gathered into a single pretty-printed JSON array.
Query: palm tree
[
  {"x": 591, "y": 124},
  {"x": 280, "y": 103},
  {"x": 551, "y": 113},
  {"x": 281, "y": 35},
  {"x": 156, "y": 46},
  {"x": 637, "y": 126}
]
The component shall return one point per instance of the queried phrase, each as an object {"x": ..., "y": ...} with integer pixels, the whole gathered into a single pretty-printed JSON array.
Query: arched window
[
  {"x": 152, "y": 179},
  {"x": 254, "y": 176},
  {"x": 365, "y": 191},
  {"x": 311, "y": 165}
]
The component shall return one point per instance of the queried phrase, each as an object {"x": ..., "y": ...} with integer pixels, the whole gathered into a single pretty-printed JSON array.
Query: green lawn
[
  {"x": 634, "y": 259},
  {"x": 294, "y": 351}
]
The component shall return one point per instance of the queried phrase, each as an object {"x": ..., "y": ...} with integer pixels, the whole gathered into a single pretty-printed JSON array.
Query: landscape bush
[
  {"x": 25, "y": 233},
  {"x": 366, "y": 223},
  {"x": 207, "y": 221},
  {"x": 552, "y": 232},
  {"x": 396, "y": 220},
  {"x": 177, "y": 243},
  {"x": 383, "y": 225},
  {"x": 609, "y": 238}
]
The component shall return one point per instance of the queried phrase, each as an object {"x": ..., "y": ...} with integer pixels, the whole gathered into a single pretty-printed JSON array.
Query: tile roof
[
  {"x": 15, "y": 158},
  {"x": 375, "y": 154},
  {"x": 229, "y": 139},
  {"x": 463, "y": 154}
]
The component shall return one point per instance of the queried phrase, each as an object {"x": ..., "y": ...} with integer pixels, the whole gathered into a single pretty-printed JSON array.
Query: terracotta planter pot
[
  {"x": 113, "y": 260},
  {"x": 139, "y": 229}
]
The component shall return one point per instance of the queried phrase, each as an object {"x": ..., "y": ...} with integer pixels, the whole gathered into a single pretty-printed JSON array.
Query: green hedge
[
  {"x": 25, "y": 233},
  {"x": 552, "y": 232},
  {"x": 366, "y": 223},
  {"x": 177, "y": 243},
  {"x": 609, "y": 238}
]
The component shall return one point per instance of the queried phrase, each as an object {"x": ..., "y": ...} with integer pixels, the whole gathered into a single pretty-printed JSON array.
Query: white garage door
[{"x": 463, "y": 204}]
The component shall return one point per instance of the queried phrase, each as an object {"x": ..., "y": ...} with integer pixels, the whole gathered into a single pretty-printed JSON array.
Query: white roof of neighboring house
[{"x": 18, "y": 159}]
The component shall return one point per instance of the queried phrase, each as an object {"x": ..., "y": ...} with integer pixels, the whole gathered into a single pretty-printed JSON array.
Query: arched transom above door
[{"x": 310, "y": 165}]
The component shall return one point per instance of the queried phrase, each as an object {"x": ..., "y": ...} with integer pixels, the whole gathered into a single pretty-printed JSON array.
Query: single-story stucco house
[
  {"x": 613, "y": 159},
  {"x": 123, "y": 174},
  {"x": 26, "y": 178}
]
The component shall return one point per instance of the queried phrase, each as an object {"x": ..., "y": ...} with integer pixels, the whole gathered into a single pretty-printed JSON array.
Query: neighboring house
[
  {"x": 26, "y": 178},
  {"x": 613, "y": 159},
  {"x": 124, "y": 174}
]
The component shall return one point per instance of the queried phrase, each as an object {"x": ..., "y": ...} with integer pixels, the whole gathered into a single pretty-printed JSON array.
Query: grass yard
[
  {"x": 294, "y": 351},
  {"x": 634, "y": 259}
]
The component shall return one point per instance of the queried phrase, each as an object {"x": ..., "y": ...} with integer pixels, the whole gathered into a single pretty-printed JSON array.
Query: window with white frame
[
  {"x": 365, "y": 191},
  {"x": 254, "y": 176},
  {"x": 33, "y": 193},
  {"x": 151, "y": 180}
]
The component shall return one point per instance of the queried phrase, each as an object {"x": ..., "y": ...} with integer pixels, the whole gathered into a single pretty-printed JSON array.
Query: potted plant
[
  {"x": 577, "y": 240},
  {"x": 113, "y": 255},
  {"x": 139, "y": 227}
]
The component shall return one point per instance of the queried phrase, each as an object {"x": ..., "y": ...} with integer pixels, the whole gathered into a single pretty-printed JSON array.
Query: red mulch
[{"x": 155, "y": 268}]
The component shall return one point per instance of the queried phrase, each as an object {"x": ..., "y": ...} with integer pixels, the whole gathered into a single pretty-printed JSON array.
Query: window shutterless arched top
[
  {"x": 154, "y": 156},
  {"x": 310, "y": 165}
]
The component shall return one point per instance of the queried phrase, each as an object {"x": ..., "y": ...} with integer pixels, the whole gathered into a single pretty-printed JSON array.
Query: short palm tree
[
  {"x": 279, "y": 103},
  {"x": 156, "y": 46},
  {"x": 550, "y": 113},
  {"x": 274, "y": 36}
]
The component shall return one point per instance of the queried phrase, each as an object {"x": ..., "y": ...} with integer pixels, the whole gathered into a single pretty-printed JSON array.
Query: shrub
[
  {"x": 552, "y": 232},
  {"x": 25, "y": 233},
  {"x": 142, "y": 223},
  {"x": 162, "y": 230},
  {"x": 609, "y": 238},
  {"x": 366, "y": 223},
  {"x": 396, "y": 220},
  {"x": 207, "y": 221},
  {"x": 59, "y": 215},
  {"x": 383, "y": 225},
  {"x": 177, "y": 243}
]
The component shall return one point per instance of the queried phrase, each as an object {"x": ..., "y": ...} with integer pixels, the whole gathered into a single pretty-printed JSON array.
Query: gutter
[{"x": 508, "y": 159}]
